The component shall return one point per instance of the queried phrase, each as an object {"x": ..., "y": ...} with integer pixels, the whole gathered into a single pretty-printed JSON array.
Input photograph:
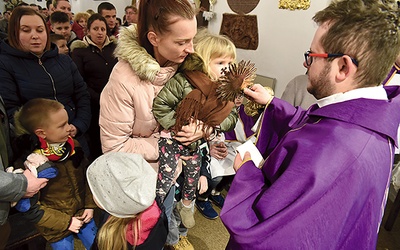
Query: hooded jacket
[
  {"x": 94, "y": 64},
  {"x": 126, "y": 120},
  {"x": 65, "y": 196},
  {"x": 25, "y": 76},
  {"x": 169, "y": 98}
]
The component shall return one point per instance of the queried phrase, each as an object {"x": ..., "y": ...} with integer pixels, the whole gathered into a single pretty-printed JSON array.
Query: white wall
[
  {"x": 284, "y": 36},
  {"x": 83, "y": 5}
]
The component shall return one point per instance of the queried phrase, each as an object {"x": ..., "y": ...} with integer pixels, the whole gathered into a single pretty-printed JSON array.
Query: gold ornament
[
  {"x": 251, "y": 108},
  {"x": 294, "y": 4},
  {"x": 235, "y": 79}
]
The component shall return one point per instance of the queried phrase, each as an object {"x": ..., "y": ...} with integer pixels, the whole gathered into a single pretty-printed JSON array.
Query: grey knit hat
[{"x": 123, "y": 184}]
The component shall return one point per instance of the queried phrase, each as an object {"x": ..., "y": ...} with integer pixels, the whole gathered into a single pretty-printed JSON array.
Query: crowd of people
[{"x": 121, "y": 129}]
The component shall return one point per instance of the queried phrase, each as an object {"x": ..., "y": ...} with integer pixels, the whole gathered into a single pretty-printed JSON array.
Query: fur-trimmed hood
[
  {"x": 193, "y": 62},
  {"x": 86, "y": 41},
  {"x": 128, "y": 49}
]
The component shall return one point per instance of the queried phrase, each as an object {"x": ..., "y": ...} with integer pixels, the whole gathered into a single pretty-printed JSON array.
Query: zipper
[{"x": 51, "y": 78}]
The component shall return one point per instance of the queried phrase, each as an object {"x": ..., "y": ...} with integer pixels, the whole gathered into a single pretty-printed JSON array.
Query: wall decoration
[
  {"x": 243, "y": 6},
  {"x": 294, "y": 4},
  {"x": 241, "y": 29}
]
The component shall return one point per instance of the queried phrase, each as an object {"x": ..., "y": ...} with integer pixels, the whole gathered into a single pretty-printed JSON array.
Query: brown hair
[
  {"x": 15, "y": 24},
  {"x": 156, "y": 15},
  {"x": 55, "y": 2},
  {"x": 35, "y": 114},
  {"x": 365, "y": 30},
  {"x": 131, "y": 7},
  {"x": 95, "y": 17}
]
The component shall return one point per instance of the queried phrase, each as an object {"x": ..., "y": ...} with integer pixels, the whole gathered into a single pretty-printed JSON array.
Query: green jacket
[{"x": 167, "y": 101}]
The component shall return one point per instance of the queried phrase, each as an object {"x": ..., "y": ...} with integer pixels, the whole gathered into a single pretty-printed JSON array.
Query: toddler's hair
[
  {"x": 116, "y": 227},
  {"x": 210, "y": 46},
  {"x": 35, "y": 114}
]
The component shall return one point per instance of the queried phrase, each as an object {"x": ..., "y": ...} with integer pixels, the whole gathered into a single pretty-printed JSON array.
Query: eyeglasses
[{"x": 308, "y": 56}]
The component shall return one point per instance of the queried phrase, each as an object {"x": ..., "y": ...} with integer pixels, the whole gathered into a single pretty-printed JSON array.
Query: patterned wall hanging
[{"x": 240, "y": 27}]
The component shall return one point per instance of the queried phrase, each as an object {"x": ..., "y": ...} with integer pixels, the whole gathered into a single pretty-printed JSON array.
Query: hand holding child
[
  {"x": 190, "y": 133},
  {"x": 34, "y": 184}
]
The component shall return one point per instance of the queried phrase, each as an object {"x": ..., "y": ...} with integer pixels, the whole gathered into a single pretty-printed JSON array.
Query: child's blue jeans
[{"x": 86, "y": 234}]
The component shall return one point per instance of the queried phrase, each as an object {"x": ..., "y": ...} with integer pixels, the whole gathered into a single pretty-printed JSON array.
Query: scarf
[
  {"x": 56, "y": 153},
  {"x": 202, "y": 103}
]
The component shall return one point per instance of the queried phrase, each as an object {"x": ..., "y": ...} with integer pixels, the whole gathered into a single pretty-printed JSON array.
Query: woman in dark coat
[
  {"x": 95, "y": 60},
  {"x": 30, "y": 67}
]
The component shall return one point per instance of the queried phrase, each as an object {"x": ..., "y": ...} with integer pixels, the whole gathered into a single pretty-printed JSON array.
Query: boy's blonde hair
[
  {"x": 35, "y": 114},
  {"x": 210, "y": 46},
  {"x": 80, "y": 15}
]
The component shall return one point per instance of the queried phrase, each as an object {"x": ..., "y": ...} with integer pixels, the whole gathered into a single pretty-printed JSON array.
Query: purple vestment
[
  {"x": 324, "y": 181},
  {"x": 247, "y": 123}
]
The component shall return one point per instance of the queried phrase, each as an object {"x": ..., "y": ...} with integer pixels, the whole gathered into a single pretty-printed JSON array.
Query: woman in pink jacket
[{"x": 149, "y": 55}]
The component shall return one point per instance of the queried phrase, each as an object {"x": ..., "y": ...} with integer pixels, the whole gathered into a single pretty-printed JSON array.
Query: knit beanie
[{"x": 123, "y": 184}]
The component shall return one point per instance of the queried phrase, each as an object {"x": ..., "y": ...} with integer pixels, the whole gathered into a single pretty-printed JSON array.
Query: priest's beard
[{"x": 320, "y": 86}]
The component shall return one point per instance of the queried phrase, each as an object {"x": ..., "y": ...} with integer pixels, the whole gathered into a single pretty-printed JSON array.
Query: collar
[
  {"x": 89, "y": 41},
  {"x": 375, "y": 93}
]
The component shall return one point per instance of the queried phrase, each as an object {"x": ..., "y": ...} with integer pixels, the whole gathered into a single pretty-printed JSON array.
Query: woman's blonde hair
[
  {"x": 112, "y": 235},
  {"x": 209, "y": 46},
  {"x": 80, "y": 15}
]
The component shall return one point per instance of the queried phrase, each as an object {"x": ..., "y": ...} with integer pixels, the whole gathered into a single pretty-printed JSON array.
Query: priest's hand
[
  {"x": 239, "y": 161},
  {"x": 259, "y": 94}
]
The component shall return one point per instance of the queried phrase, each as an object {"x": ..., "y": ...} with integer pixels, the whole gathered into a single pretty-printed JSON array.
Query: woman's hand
[
  {"x": 218, "y": 150},
  {"x": 73, "y": 131},
  {"x": 259, "y": 94},
  {"x": 190, "y": 133},
  {"x": 239, "y": 161}
]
